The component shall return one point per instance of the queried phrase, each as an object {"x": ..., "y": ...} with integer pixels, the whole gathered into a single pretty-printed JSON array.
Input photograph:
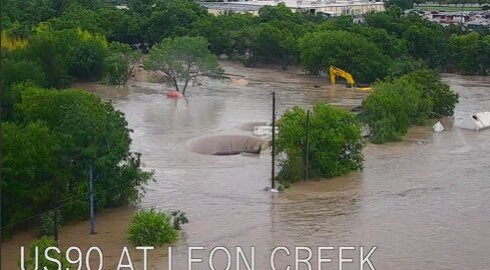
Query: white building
[{"x": 329, "y": 7}]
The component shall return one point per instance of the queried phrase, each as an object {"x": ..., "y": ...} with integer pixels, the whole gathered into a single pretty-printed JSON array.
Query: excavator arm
[{"x": 335, "y": 71}]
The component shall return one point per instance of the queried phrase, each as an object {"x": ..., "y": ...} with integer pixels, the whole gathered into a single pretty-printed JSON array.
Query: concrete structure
[
  {"x": 476, "y": 121},
  {"x": 438, "y": 127},
  {"x": 327, "y": 7}
]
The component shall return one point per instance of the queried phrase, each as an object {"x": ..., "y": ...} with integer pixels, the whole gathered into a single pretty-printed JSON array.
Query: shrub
[
  {"x": 18, "y": 71},
  {"x": 48, "y": 224},
  {"x": 335, "y": 143},
  {"x": 42, "y": 244},
  {"x": 118, "y": 66},
  {"x": 87, "y": 59},
  {"x": 151, "y": 228},
  {"x": 66, "y": 54}
]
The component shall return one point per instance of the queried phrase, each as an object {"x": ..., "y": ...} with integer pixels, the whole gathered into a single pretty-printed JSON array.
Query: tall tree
[
  {"x": 426, "y": 42},
  {"x": 169, "y": 18},
  {"x": 469, "y": 53},
  {"x": 29, "y": 165},
  {"x": 351, "y": 52},
  {"x": 91, "y": 133},
  {"x": 183, "y": 59}
]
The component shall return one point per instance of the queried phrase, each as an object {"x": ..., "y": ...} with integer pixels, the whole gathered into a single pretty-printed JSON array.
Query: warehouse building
[{"x": 328, "y": 7}]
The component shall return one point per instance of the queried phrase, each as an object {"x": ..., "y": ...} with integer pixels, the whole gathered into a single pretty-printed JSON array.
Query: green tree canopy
[
  {"x": 277, "y": 43},
  {"x": 220, "y": 30},
  {"x": 409, "y": 100},
  {"x": 120, "y": 63},
  {"x": 64, "y": 133},
  {"x": 387, "y": 43},
  {"x": 67, "y": 54},
  {"x": 171, "y": 18},
  {"x": 351, "y": 52},
  {"x": 392, "y": 108},
  {"x": 335, "y": 143},
  {"x": 279, "y": 13},
  {"x": 183, "y": 59},
  {"x": 470, "y": 53},
  {"x": 442, "y": 99},
  {"x": 29, "y": 166},
  {"x": 426, "y": 43}
]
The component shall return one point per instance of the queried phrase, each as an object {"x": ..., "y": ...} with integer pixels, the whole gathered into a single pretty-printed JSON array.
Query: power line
[{"x": 62, "y": 203}]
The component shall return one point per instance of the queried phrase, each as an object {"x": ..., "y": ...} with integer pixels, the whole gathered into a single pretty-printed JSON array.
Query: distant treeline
[{"x": 384, "y": 44}]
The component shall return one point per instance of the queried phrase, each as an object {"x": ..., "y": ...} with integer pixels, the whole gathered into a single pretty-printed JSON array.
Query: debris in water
[
  {"x": 174, "y": 94},
  {"x": 476, "y": 121},
  {"x": 273, "y": 190},
  {"x": 438, "y": 127},
  {"x": 240, "y": 82}
]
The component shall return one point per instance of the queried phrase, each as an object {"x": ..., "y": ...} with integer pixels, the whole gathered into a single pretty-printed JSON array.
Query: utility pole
[
  {"x": 1, "y": 180},
  {"x": 273, "y": 154},
  {"x": 307, "y": 142},
  {"x": 91, "y": 199}
]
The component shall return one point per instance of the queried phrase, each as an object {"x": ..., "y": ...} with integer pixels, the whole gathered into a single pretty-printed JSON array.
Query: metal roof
[{"x": 229, "y": 6}]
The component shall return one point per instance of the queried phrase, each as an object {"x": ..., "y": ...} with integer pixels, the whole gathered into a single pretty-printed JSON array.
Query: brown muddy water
[{"x": 423, "y": 202}]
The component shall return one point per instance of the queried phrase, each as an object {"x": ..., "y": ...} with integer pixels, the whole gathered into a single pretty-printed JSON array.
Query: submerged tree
[
  {"x": 335, "y": 143},
  {"x": 412, "y": 99},
  {"x": 183, "y": 59}
]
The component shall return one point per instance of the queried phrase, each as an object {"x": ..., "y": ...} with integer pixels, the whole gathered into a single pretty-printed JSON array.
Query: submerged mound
[{"x": 227, "y": 145}]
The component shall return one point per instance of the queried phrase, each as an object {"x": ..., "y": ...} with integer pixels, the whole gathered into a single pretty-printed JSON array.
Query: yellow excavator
[{"x": 335, "y": 71}]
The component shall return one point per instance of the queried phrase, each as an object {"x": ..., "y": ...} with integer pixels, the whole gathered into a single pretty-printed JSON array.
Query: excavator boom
[{"x": 335, "y": 71}]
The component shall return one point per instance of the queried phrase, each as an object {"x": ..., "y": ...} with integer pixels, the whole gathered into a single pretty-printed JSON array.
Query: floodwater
[{"x": 422, "y": 202}]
